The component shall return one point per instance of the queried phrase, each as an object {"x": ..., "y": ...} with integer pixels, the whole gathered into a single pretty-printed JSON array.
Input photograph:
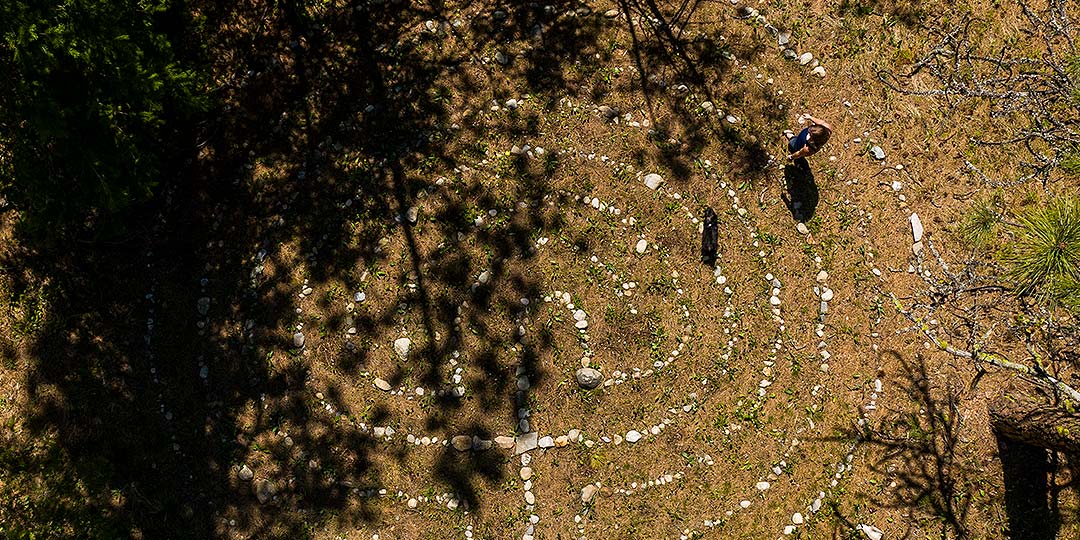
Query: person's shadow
[{"x": 802, "y": 193}]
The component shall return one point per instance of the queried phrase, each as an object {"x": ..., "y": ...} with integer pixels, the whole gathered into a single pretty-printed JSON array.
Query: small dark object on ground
[{"x": 708, "y": 238}]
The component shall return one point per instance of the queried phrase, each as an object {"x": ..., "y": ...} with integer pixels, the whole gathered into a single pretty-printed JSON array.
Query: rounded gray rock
[
  {"x": 265, "y": 490},
  {"x": 589, "y": 378}
]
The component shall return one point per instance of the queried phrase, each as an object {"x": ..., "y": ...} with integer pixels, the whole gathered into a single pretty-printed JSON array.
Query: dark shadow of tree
[
  {"x": 919, "y": 450},
  {"x": 166, "y": 358},
  {"x": 1028, "y": 471}
]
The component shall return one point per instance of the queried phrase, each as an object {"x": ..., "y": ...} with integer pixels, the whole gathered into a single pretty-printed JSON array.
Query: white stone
[
  {"x": 632, "y": 436},
  {"x": 827, "y": 295},
  {"x": 588, "y": 492},
  {"x": 871, "y": 532},
  {"x": 819, "y": 71},
  {"x": 641, "y": 246},
  {"x": 401, "y": 347},
  {"x": 797, "y": 518},
  {"x": 762, "y": 486},
  {"x": 822, "y": 276},
  {"x": 653, "y": 180},
  {"x": 805, "y": 58},
  {"x": 546, "y": 442},
  {"x": 916, "y": 227}
]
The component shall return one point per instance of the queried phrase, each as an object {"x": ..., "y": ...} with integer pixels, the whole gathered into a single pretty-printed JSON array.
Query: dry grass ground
[{"x": 848, "y": 418}]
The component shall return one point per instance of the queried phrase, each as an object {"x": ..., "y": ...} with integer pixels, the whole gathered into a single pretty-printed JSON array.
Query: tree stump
[{"x": 1031, "y": 416}]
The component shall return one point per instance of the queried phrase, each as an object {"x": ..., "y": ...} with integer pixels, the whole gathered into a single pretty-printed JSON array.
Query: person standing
[{"x": 810, "y": 140}]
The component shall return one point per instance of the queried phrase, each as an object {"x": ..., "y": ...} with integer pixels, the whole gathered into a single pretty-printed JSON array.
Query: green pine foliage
[
  {"x": 96, "y": 102},
  {"x": 1045, "y": 258}
]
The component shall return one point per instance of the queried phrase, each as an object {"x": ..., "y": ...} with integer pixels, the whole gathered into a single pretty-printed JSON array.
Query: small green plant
[{"x": 978, "y": 227}]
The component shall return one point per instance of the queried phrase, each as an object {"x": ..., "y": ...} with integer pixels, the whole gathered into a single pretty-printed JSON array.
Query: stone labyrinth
[{"x": 719, "y": 421}]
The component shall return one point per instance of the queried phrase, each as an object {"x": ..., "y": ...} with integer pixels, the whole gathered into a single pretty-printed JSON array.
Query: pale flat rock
[
  {"x": 245, "y": 474},
  {"x": 632, "y": 436},
  {"x": 526, "y": 473},
  {"x": 819, "y": 71},
  {"x": 653, "y": 180},
  {"x": 402, "y": 346},
  {"x": 805, "y": 58},
  {"x": 525, "y": 442},
  {"x": 588, "y": 492},
  {"x": 504, "y": 442},
  {"x": 641, "y": 246},
  {"x": 797, "y": 518},
  {"x": 916, "y": 227},
  {"x": 382, "y": 385},
  {"x": 871, "y": 532},
  {"x": 545, "y": 442},
  {"x": 801, "y": 227},
  {"x": 762, "y": 486}
]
